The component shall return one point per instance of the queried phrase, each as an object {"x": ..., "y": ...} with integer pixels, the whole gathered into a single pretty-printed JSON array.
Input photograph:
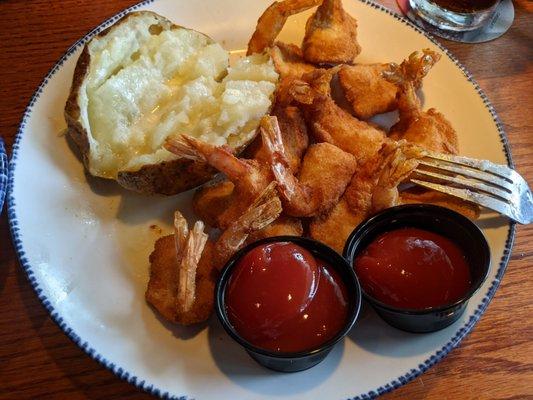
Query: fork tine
[
  {"x": 471, "y": 173},
  {"x": 468, "y": 183},
  {"x": 478, "y": 198},
  {"x": 482, "y": 165}
]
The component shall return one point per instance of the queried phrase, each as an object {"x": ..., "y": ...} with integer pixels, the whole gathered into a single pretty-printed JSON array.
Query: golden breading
[
  {"x": 271, "y": 22},
  {"x": 330, "y": 123},
  {"x": 469, "y": 210},
  {"x": 324, "y": 174},
  {"x": 162, "y": 291},
  {"x": 330, "y": 35},
  {"x": 368, "y": 92},
  {"x": 429, "y": 129},
  {"x": 211, "y": 200},
  {"x": 249, "y": 177},
  {"x": 288, "y": 60},
  {"x": 283, "y": 226},
  {"x": 293, "y": 133},
  {"x": 334, "y": 228}
]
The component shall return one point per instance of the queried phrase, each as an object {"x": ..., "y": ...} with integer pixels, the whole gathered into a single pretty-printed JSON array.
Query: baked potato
[{"x": 144, "y": 79}]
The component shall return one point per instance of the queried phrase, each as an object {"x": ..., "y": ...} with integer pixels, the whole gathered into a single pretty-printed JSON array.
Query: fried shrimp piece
[
  {"x": 249, "y": 177},
  {"x": 184, "y": 266},
  {"x": 288, "y": 60},
  {"x": 399, "y": 161},
  {"x": 373, "y": 187},
  {"x": 293, "y": 134},
  {"x": 330, "y": 123},
  {"x": 182, "y": 277},
  {"x": 334, "y": 227},
  {"x": 271, "y": 22},
  {"x": 283, "y": 226},
  {"x": 330, "y": 35},
  {"x": 262, "y": 212},
  {"x": 429, "y": 129},
  {"x": 368, "y": 92},
  {"x": 211, "y": 200},
  {"x": 469, "y": 210},
  {"x": 325, "y": 172}
]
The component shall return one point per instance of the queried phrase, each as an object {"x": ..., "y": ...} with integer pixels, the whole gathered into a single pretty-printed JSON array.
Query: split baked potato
[{"x": 144, "y": 79}]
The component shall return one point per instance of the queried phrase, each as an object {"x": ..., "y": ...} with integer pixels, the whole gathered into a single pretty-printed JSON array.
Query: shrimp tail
[
  {"x": 413, "y": 69},
  {"x": 265, "y": 209},
  {"x": 181, "y": 146},
  {"x": 273, "y": 142},
  {"x": 400, "y": 160},
  {"x": 190, "y": 257},
  {"x": 271, "y": 22}
]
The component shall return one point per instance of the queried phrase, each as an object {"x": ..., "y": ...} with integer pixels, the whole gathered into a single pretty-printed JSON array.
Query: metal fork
[{"x": 490, "y": 185}]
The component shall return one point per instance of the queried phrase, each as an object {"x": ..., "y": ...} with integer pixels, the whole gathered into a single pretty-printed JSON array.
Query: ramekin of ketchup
[
  {"x": 418, "y": 265},
  {"x": 288, "y": 300}
]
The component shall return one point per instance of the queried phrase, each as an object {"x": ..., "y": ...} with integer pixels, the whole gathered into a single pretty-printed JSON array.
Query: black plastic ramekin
[
  {"x": 443, "y": 221},
  {"x": 292, "y": 361}
]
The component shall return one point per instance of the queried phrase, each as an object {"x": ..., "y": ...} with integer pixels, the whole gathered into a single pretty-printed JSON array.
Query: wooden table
[{"x": 38, "y": 361}]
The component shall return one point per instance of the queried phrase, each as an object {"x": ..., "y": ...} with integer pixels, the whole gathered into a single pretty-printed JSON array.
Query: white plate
[{"x": 85, "y": 244}]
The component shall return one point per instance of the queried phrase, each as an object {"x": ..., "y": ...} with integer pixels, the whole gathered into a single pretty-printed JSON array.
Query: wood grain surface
[{"x": 37, "y": 361}]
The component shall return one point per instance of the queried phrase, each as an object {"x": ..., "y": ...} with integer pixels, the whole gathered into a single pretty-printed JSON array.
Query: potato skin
[
  {"x": 167, "y": 177},
  {"x": 72, "y": 113},
  {"x": 170, "y": 177}
]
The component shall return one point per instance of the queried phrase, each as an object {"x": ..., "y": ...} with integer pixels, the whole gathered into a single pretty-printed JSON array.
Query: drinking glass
[{"x": 454, "y": 15}]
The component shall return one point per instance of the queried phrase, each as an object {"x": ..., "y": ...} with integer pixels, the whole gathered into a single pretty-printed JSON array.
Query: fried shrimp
[
  {"x": 330, "y": 123},
  {"x": 325, "y": 172},
  {"x": 288, "y": 60},
  {"x": 373, "y": 187},
  {"x": 368, "y": 92},
  {"x": 262, "y": 212},
  {"x": 429, "y": 129},
  {"x": 293, "y": 135},
  {"x": 184, "y": 266},
  {"x": 212, "y": 199},
  {"x": 330, "y": 35},
  {"x": 271, "y": 22},
  {"x": 249, "y": 177},
  {"x": 182, "y": 277},
  {"x": 414, "y": 196}
]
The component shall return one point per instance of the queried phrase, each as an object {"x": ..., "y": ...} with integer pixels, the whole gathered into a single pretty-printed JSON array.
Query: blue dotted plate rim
[
  {"x": 4, "y": 166},
  {"x": 121, "y": 372}
]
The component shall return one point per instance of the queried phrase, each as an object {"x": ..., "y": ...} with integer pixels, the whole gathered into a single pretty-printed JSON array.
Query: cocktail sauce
[
  {"x": 281, "y": 298},
  {"x": 413, "y": 268}
]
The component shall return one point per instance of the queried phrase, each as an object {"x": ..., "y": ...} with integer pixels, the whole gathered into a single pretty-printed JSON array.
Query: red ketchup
[
  {"x": 413, "y": 268},
  {"x": 281, "y": 298}
]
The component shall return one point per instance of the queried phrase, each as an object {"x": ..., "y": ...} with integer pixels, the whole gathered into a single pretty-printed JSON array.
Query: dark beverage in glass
[
  {"x": 465, "y": 6},
  {"x": 455, "y": 15}
]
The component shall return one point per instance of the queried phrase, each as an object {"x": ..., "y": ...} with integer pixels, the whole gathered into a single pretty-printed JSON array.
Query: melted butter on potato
[{"x": 144, "y": 84}]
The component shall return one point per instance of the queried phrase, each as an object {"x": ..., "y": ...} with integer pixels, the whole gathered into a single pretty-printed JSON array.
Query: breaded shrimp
[
  {"x": 416, "y": 196},
  {"x": 223, "y": 203},
  {"x": 429, "y": 129},
  {"x": 372, "y": 188},
  {"x": 368, "y": 92},
  {"x": 330, "y": 123},
  {"x": 184, "y": 266},
  {"x": 293, "y": 134},
  {"x": 325, "y": 172},
  {"x": 265, "y": 209},
  {"x": 211, "y": 200},
  {"x": 288, "y": 60},
  {"x": 182, "y": 277},
  {"x": 250, "y": 177},
  {"x": 271, "y": 22},
  {"x": 330, "y": 35}
]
